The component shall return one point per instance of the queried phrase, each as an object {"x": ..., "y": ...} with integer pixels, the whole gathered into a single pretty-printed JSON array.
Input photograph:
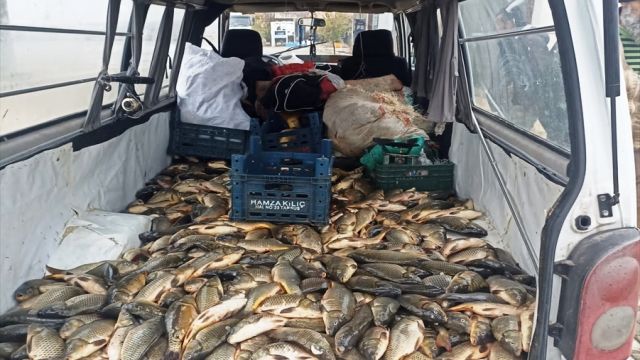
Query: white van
[{"x": 552, "y": 164}]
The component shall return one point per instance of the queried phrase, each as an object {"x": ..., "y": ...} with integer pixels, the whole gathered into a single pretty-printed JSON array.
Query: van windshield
[{"x": 280, "y": 30}]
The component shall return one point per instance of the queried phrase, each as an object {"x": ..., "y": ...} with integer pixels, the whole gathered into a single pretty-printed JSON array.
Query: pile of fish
[{"x": 402, "y": 275}]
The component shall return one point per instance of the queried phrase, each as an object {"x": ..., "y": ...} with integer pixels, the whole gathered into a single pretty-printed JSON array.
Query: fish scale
[{"x": 201, "y": 282}]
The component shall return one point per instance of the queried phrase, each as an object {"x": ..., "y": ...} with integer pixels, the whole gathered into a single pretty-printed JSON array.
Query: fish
[
  {"x": 125, "y": 289},
  {"x": 498, "y": 352},
  {"x": 223, "y": 352},
  {"x": 383, "y": 310},
  {"x": 141, "y": 338},
  {"x": 338, "y": 307},
  {"x": 441, "y": 281},
  {"x": 506, "y": 330},
  {"x": 385, "y": 256},
  {"x": 282, "y": 350},
  {"x": 373, "y": 285},
  {"x": 453, "y": 246},
  {"x": 508, "y": 290},
  {"x": 77, "y": 305},
  {"x": 284, "y": 274},
  {"x": 301, "y": 235},
  {"x": 221, "y": 311},
  {"x": 351, "y": 332},
  {"x": 465, "y": 282},
  {"x": 437, "y": 267},
  {"x": 364, "y": 217},
  {"x": 491, "y": 310},
  {"x": 44, "y": 343},
  {"x": 308, "y": 269},
  {"x": 8, "y": 348},
  {"x": 466, "y": 351},
  {"x": 89, "y": 338},
  {"x": 144, "y": 309},
  {"x": 480, "y": 331},
  {"x": 151, "y": 292},
  {"x": 526, "y": 326},
  {"x": 30, "y": 289},
  {"x": 75, "y": 322},
  {"x": 339, "y": 268},
  {"x": 291, "y": 306},
  {"x": 125, "y": 322},
  {"x": 374, "y": 343},
  {"x": 460, "y": 225},
  {"x": 471, "y": 297},
  {"x": 177, "y": 321},
  {"x": 55, "y": 295},
  {"x": 254, "y": 325},
  {"x": 207, "y": 339},
  {"x": 314, "y": 284},
  {"x": 14, "y": 333},
  {"x": 257, "y": 295},
  {"x": 209, "y": 294},
  {"x": 466, "y": 256},
  {"x": 424, "y": 308},
  {"x": 313, "y": 342},
  {"x": 458, "y": 321},
  {"x": 392, "y": 272},
  {"x": 405, "y": 337}
]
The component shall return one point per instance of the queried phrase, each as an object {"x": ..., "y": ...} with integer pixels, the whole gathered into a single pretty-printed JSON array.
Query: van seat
[
  {"x": 241, "y": 43},
  {"x": 373, "y": 56}
]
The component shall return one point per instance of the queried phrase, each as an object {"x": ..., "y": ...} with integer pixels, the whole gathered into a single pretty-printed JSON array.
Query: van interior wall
[
  {"x": 39, "y": 195},
  {"x": 533, "y": 193}
]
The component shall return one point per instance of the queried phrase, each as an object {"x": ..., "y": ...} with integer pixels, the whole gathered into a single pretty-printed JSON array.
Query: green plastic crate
[{"x": 422, "y": 177}]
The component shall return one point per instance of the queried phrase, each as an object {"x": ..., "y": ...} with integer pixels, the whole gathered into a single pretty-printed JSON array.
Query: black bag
[{"x": 294, "y": 92}]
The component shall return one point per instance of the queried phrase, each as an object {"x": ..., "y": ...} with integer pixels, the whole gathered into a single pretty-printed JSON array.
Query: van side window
[
  {"x": 211, "y": 33},
  {"x": 514, "y": 66},
  {"x": 178, "y": 15},
  {"x": 50, "y": 57},
  {"x": 149, "y": 36}
]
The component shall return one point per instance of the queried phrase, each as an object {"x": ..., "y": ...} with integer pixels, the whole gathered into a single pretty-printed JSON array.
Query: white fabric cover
[
  {"x": 210, "y": 88},
  {"x": 38, "y": 196}
]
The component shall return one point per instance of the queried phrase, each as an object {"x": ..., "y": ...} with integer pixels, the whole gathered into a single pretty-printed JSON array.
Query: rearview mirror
[{"x": 312, "y": 22}]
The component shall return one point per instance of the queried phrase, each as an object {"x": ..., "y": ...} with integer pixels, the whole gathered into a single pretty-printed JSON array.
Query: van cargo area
[{"x": 382, "y": 179}]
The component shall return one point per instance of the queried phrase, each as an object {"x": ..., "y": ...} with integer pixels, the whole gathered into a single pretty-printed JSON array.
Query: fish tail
[{"x": 54, "y": 271}]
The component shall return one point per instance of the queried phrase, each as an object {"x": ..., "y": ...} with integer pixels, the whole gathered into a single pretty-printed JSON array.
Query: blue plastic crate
[
  {"x": 304, "y": 139},
  {"x": 205, "y": 141},
  {"x": 281, "y": 186}
]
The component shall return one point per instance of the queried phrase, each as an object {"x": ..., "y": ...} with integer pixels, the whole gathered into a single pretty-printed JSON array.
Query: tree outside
[
  {"x": 262, "y": 24},
  {"x": 338, "y": 29}
]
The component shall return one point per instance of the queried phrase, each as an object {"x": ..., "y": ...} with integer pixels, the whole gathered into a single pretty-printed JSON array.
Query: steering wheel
[{"x": 271, "y": 59}]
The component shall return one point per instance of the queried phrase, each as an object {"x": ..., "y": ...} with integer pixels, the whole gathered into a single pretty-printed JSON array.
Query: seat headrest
[
  {"x": 373, "y": 43},
  {"x": 241, "y": 43}
]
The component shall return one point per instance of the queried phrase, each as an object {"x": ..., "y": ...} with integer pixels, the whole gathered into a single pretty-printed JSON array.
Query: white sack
[
  {"x": 98, "y": 235},
  {"x": 355, "y": 115},
  {"x": 210, "y": 88}
]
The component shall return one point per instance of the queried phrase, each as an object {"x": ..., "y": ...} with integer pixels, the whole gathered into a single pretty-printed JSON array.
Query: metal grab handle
[{"x": 125, "y": 79}]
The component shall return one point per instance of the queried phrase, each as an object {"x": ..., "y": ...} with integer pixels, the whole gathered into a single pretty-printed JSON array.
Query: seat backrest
[
  {"x": 373, "y": 43},
  {"x": 241, "y": 43},
  {"x": 373, "y": 56}
]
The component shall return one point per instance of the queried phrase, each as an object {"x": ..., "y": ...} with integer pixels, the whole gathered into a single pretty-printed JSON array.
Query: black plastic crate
[
  {"x": 281, "y": 186},
  {"x": 307, "y": 138},
  {"x": 205, "y": 141}
]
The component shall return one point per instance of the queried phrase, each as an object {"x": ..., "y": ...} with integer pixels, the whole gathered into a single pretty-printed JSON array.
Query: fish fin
[{"x": 100, "y": 342}]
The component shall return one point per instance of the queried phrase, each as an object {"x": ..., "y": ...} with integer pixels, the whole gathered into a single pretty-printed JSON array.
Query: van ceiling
[{"x": 364, "y": 6}]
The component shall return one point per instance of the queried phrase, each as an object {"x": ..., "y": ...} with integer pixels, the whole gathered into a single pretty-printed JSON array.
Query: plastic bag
[{"x": 210, "y": 88}]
